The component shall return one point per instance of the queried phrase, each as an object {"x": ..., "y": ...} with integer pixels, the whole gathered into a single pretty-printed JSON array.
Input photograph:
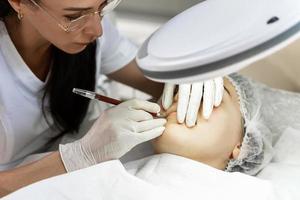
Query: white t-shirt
[{"x": 23, "y": 128}]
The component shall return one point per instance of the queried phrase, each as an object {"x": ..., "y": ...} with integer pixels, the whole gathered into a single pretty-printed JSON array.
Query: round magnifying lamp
[{"x": 218, "y": 37}]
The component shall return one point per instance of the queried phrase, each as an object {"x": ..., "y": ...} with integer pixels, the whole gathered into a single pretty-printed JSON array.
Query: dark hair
[{"x": 67, "y": 72}]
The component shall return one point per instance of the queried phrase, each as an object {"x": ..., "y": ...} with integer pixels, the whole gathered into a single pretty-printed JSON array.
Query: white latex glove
[
  {"x": 114, "y": 133},
  {"x": 190, "y": 97}
]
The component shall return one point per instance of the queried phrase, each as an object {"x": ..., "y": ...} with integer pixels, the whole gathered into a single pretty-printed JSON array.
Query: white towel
[{"x": 162, "y": 176}]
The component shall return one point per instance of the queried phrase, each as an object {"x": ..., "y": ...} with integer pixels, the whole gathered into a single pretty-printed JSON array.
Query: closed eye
[
  {"x": 71, "y": 18},
  {"x": 227, "y": 91},
  {"x": 81, "y": 11}
]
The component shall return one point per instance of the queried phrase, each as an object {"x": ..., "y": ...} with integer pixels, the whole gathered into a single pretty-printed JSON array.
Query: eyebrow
[
  {"x": 83, "y": 9},
  {"x": 78, "y": 9}
]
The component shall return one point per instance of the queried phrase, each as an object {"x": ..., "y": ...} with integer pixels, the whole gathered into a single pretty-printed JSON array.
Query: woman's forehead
[{"x": 73, "y": 3}]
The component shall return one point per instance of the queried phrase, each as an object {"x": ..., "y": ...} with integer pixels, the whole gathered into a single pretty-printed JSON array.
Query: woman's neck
[{"x": 35, "y": 50}]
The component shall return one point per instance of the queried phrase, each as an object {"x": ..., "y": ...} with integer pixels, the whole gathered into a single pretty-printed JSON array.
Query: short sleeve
[
  {"x": 3, "y": 133},
  {"x": 113, "y": 51}
]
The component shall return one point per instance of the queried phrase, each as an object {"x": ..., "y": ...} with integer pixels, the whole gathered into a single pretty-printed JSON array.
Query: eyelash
[
  {"x": 226, "y": 90},
  {"x": 74, "y": 17},
  {"x": 71, "y": 18}
]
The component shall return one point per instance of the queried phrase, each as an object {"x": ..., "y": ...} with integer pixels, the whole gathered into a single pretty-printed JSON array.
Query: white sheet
[
  {"x": 167, "y": 176},
  {"x": 156, "y": 177},
  {"x": 284, "y": 170}
]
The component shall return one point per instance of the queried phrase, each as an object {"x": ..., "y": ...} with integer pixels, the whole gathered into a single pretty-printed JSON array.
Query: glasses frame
[{"x": 67, "y": 28}]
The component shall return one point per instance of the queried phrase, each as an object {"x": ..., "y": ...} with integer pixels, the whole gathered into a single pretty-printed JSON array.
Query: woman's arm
[
  {"x": 15, "y": 179},
  {"x": 132, "y": 76}
]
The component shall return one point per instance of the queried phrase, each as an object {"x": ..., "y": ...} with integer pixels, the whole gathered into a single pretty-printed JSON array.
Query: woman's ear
[
  {"x": 236, "y": 151},
  {"x": 15, "y": 4}
]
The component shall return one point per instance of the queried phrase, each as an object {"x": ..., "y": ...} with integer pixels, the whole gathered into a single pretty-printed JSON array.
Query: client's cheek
[
  {"x": 172, "y": 118},
  {"x": 171, "y": 140},
  {"x": 214, "y": 117}
]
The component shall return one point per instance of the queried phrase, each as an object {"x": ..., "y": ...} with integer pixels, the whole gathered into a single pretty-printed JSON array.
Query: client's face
[{"x": 211, "y": 141}]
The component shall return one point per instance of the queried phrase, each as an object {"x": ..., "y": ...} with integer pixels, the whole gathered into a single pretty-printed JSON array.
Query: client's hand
[
  {"x": 190, "y": 97},
  {"x": 115, "y": 132}
]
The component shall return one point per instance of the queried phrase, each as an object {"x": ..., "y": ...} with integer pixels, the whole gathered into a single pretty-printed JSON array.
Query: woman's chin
[{"x": 75, "y": 48}]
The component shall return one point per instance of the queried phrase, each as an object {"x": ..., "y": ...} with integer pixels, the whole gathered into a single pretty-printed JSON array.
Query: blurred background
[{"x": 138, "y": 19}]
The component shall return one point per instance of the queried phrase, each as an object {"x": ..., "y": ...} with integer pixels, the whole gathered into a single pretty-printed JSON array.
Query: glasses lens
[
  {"x": 77, "y": 24},
  {"x": 111, "y": 4}
]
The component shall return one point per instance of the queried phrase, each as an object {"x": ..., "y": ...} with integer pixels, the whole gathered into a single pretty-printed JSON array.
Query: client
[{"x": 233, "y": 139}]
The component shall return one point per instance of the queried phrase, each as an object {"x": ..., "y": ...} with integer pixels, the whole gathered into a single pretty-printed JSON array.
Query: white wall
[
  {"x": 137, "y": 19},
  {"x": 167, "y": 8}
]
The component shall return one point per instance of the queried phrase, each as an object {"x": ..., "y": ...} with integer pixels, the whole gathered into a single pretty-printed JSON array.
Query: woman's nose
[{"x": 94, "y": 27}]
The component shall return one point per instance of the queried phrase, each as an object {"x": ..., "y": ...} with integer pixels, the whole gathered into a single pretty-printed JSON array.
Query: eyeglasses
[{"x": 78, "y": 23}]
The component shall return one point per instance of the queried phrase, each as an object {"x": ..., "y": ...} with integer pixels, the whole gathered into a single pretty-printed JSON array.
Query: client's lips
[
  {"x": 171, "y": 114},
  {"x": 172, "y": 109}
]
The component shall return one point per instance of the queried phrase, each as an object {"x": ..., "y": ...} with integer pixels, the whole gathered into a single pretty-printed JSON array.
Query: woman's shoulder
[
  {"x": 2, "y": 119},
  {"x": 3, "y": 30}
]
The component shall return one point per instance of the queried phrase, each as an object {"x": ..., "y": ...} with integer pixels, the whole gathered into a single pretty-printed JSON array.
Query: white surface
[
  {"x": 159, "y": 177},
  {"x": 284, "y": 170},
  {"x": 166, "y": 8},
  {"x": 137, "y": 27},
  {"x": 199, "y": 36},
  {"x": 171, "y": 177}
]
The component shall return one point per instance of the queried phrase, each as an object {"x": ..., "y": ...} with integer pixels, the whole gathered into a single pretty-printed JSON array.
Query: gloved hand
[
  {"x": 190, "y": 96},
  {"x": 113, "y": 134}
]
